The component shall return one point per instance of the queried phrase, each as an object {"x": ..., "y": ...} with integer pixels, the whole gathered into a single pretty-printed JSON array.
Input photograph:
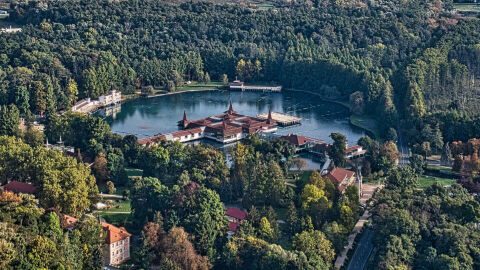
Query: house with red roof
[
  {"x": 19, "y": 187},
  {"x": 301, "y": 142},
  {"x": 235, "y": 216},
  {"x": 118, "y": 241},
  {"x": 117, "y": 249},
  {"x": 341, "y": 178},
  {"x": 236, "y": 85}
]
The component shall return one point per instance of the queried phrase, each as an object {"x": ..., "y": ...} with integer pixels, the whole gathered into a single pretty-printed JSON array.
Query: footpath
[{"x": 368, "y": 191}]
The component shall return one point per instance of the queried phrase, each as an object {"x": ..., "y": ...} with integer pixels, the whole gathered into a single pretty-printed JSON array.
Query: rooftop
[
  {"x": 353, "y": 148},
  {"x": 19, "y": 187},
  {"x": 232, "y": 226},
  {"x": 337, "y": 175},
  {"x": 114, "y": 234},
  {"x": 236, "y": 213},
  {"x": 297, "y": 139}
]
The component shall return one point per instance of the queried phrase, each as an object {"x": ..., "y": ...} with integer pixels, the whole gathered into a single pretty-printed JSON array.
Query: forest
[
  {"x": 403, "y": 60},
  {"x": 411, "y": 65}
]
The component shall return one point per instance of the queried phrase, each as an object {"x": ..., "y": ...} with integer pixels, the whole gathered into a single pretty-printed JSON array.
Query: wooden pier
[
  {"x": 240, "y": 86},
  {"x": 262, "y": 88},
  {"x": 282, "y": 119}
]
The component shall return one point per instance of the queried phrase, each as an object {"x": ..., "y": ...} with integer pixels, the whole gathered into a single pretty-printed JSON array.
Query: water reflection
[{"x": 147, "y": 117}]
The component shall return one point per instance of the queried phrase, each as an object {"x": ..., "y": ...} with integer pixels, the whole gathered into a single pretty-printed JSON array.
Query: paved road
[
  {"x": 368, "y": 191},
  {"x": 363, "y": 251},
  {"x": 402, "y": 148}
]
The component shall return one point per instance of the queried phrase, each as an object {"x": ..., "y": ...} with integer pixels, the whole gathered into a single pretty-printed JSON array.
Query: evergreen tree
[
  {"x": 9, "y": 120},
  {"x": 292, "y": 219},
  {"x": 337, "y": 150},
  {"x": 446, "y": 154}
]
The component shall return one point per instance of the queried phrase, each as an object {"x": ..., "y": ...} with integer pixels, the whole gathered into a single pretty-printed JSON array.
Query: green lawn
[
  {"x": 120, "y": 220},
  {"x": 440, "y": 168},
  {"x": 200, "y": 86},
  {"x": 134, "y": 172},
  {"x": 298, "y": 177},
  {"x": 365, "y": 122},
  {"x": 120, "y": 205},
  {"x": 425, "y": 181},
  {"x": 466, "y": 7}
]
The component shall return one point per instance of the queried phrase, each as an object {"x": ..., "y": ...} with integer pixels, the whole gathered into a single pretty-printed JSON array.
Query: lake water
[{"x": 147, "y": 117}]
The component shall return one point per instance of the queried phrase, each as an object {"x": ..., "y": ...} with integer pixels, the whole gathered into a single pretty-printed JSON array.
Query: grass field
[
  {"x": 300, "y": 176},
  {"x": 120, "y": 220},
  {"x": 134, "y": 172},
  {"x": 200, "y": 86},
  {"x": 466, "y": 7},
  {"x": 365, "y": 122},
  {"x": 120, "y": 205},
  {"x": 425, "y": 181},
  {"x": 440, "y": 168}
]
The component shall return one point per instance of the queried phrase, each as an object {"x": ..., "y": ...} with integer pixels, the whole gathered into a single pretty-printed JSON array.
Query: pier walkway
[{"x": 282, "y": 119}]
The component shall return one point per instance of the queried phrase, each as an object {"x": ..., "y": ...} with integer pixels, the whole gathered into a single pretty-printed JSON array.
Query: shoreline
[
  {"x": 368, "y": 131},
  {"x": 320, "y": 96},
  {"x": 180, "y": 92}
]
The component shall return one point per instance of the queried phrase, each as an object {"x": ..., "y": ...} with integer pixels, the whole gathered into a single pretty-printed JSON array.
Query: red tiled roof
[
  {"x": 341, "y": 188},
  {"x": 321, "y": 146},
  {"x": 352, "y": 148},
  {"x": 236, "y": 83},
  {"x": 232, "y": 226},
  {"x": 114, "y": 234},
  {"x": 150, "y": 140},
  {"x": 191, "y": 131},
  {"x": 145, "y": 141},
  {"x": 69, "y": 221},
  {"x": 19, "y": 187},
  {"x": 297, "y": 139},
  {"x": 338, "y": 174},
  {"x": 236, "y": 213}
]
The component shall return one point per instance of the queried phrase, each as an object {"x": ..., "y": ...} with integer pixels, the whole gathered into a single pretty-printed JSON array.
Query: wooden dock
[
  {"x": 282, "y": 119},
  {"x": 262, "y": 88}
]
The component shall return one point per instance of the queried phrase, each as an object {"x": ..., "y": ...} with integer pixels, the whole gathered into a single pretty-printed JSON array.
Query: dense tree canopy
[{"x": 63, "y": 182}]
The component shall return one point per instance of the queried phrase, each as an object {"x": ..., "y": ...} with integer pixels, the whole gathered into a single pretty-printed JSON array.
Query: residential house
[
  {"x": 118, "y": 241},
  {"x": 117, "y": 249},
  {"x": 19, "y": 187},
  {"x": 341, "y": 178},
  {"x": 235, "y": 216}
]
